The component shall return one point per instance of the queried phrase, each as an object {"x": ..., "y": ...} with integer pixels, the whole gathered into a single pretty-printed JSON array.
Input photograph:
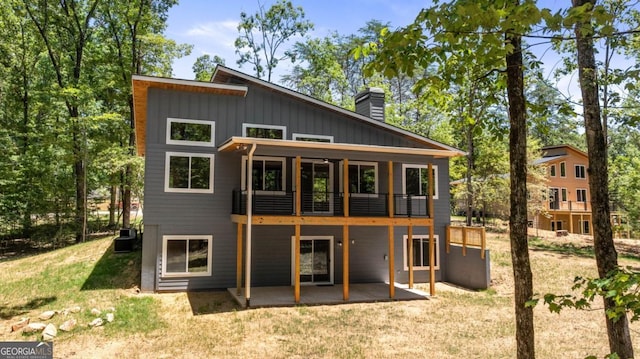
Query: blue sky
[{"x": 211, "y": 25}]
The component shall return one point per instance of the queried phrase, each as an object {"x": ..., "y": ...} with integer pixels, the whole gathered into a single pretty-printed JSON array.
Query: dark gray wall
[
  {"x": 208, "y": 214},
  {"x": 470, "y": 271}
]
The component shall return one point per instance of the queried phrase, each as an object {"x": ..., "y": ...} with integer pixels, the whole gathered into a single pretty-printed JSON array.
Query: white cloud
[{"x": 222, "y": 33}]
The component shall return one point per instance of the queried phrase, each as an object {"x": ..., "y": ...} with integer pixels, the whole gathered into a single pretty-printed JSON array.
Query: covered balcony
[{"x": 332, "y": 204}]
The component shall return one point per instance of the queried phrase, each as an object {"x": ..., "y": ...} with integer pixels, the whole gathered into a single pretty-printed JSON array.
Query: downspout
[{"x": 247, "y": 278}]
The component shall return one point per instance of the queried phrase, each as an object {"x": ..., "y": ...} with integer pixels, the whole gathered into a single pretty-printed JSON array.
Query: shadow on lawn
[
  {"x": 115, "y": 271},
  {"x": 211, "y": 302},
  {"x": 16, "y": 310},
  {"x": 567, "y": 249}
]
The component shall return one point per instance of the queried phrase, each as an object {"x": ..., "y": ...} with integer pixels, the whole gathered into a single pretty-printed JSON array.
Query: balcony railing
[
  {"x": 330, "y": 204},
  {"x": 569, "y": 206}
]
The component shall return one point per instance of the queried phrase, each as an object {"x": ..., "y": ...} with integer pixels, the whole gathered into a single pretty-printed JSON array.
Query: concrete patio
[{"x": 326, "y": 294}]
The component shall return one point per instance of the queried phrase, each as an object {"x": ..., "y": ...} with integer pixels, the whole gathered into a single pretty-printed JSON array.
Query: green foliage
[
  {"x": 262, "y": 34},
  {"x": 619, "y": 286},
  {"x": 205, "y": 65}
]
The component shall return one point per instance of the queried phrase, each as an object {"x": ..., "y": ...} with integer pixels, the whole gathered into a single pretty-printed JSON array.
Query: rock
[
  {"x": 111, "y": 309},
  {"x": 34, "y": 327},
  {"x": 19, "y": 324},
  {"x": 68, "y": 325},
  {"x": 96, "y": 322},
  {"x": 49, "y": 332},
  {"x": 75, "y": 309},
  {"x": 110, "y": 317},
  {"x": 95, "y": 311},
  {"x": 47, "y": 315}
]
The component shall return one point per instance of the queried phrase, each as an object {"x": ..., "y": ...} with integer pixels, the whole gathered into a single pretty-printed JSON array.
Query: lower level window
[
  {"x": 186, "y": 255},
  {"x": 420, "y": 252}
]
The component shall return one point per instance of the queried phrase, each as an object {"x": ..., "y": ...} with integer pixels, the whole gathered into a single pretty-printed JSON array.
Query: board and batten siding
[{"x": 208, "y": 214}]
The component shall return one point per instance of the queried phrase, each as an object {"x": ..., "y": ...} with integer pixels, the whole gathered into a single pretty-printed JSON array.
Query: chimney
[{"x": 370, "y": 103}]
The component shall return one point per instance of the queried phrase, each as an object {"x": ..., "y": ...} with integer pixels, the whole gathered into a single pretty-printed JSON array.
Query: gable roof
[
  {"x": 561, "y": 150},
  {"x": 225, "y": 75},
  {"x": 141, "y": 85}
]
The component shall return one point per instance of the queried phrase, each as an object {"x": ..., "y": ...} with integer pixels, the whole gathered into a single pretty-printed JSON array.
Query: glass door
[
  {"x": 316, "y": 260},
  {"x": 317, "y": 190}
]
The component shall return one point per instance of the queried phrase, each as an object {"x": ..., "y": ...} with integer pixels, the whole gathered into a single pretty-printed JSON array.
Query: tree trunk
[
  {"x": 605, "y": 252},
  {"x": 469, "y": 174},
  {"x": 80, "y": 173},
  {"x": 113, "y": 205},
  {"x": 523, "y": 281}
]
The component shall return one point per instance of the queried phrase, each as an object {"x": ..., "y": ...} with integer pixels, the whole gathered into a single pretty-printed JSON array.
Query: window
[
  {"x": 580, "y": 173},
  {"x": 581, "y": 195},
  {"x": 190, "y": 132},
  {"x": 420, "y": 252},
  {"x": 563, "y": 169},
  {"x": 312, "y": 138},
  {"x": 585, "y": 227},
  {"x": 564, "y": 195},
  {"x": 264, "y": 131},
  {"x": 188, "y": 172},
  {"x": 269, "y": 174},
  {"x": 186, "y": 256},
  {"x": 363, "y": 178},
  {"x": 552, "y": 170},
  {"x": 415, "y": 180}
]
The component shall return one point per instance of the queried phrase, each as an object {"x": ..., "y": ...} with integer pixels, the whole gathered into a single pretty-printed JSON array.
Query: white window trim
[
  {"x": 564, "y": 194},
  {"x": 423, "y": 237},
  {"x": 560, "y": 169},
  {"x": 297, "y": 136},
  {"x": 553, "y": 173},
  {"x": 584, "y": 200},
  {"x": 211, "y": 143},
  {"x": 585, "y": 171},
  {"x": 404, "y": 178},
  {"x": 331, "y": 259},
  {"x": 375, "y": 168},
  {"x": 188, "y": 190},
  {"x": 243, "y": 182},
  {"x": 245, "y": 126},
  {"x": 208, "y": 238}
]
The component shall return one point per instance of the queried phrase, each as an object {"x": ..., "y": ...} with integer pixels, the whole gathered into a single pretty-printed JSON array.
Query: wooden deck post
[
  {"x": 239, "y": 259},
  {"x": 296, "y": 290},
  {"x": 345, "y": 187},
  {"x": 432, "y": 262},
  {"x": 571, "y": 230},
  {"x": 298, "y": 185},
  {"x": 392, "y": 266},
  {"x": 465, "y": 232},
  {"x": 345, "y": 230},
  {"x": 345, "y": 262},
  {"x": 392, "y": 269},
  {"x": 432, "y": 247},
  {"x": 430, "y": 189},
  {"x": 390, "y": 190},
  {"x": 410, "y": 254}
]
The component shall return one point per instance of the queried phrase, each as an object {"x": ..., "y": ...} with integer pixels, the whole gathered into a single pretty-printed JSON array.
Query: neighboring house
[
  {"x": 251, "y": 184},
  {"x": 568, "y": 207}
]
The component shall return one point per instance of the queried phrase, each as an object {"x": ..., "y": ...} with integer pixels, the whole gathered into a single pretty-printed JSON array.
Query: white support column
[{"x": 247, "y": 278}]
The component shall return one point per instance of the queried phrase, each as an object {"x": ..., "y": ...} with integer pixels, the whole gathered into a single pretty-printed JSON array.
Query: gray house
[{"x": 250, "y": 184}]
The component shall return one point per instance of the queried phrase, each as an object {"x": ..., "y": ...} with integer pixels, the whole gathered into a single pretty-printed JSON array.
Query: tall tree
[
  {"x": 518, "y": 174},
  {"x": 134, "y": 46},
  {"x": 491, "y": 34},
  {"x": 604, "y": 249},
  {"x": 205, "y": 65},
  {"x": 263, "y": 33},
  {"x": 66, "y": 29}
]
